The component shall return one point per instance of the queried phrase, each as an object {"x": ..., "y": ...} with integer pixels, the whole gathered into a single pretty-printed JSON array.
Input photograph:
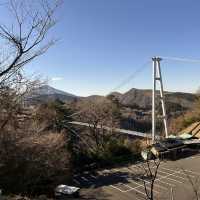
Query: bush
[
  {"x": 34, "y": 164},
  {"x": 178, "y": 124},
  {"x": 52, "y": 116},
  {"x": 116, "y": 151},
  {"x": 135, "y": 146}
]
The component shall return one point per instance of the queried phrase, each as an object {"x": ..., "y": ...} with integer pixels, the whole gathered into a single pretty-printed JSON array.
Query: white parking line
[
  {"x": 196, "y": 173},
  {"x": 163, "y": 176},
  {"x": 166, "y": 177},
  {"x": 156, "y": 185},
  {"x": 170, "y": 184},
  {"x": 135, "y": 189},
  {"x": 156, "y": 179},
  {"x": 171, "y": 179},
  {"x": 177, "y": 172},
  {"x": 94, "y": 177},
  {"x": 173, "y": 175},
  {"x": 85, "y": 179},
  {"x": 139, "y": 185},
  {"x": 129, "y": 179},
  {"x": 130, "y": 189},
  {"x": 145, "y": 180},
  {"x": 132, "y": 169},
  {"x": 159, "y": 180},
  {"x": 118, "y": 188},
  {"x": 137, "y": 169},
  {"x": 77, "y": 182}
]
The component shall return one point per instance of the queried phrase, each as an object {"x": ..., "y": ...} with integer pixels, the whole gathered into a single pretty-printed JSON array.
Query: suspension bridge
[{"x": 157, "y": 83}]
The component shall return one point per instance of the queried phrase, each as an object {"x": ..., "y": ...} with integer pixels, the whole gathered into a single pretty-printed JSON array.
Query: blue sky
[{"x": 102, "y": 42}]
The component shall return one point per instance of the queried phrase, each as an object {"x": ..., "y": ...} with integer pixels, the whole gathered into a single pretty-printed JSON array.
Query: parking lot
[{"x": 127, "y": 182}]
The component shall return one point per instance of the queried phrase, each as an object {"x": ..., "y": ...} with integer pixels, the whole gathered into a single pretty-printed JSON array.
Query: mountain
[
  {"x": 47, "y": 93},
  {"x": 135, "y": 104},
  {"x": 141, "y": 98},
  {"x": 136, "y": 107},
  {"x": 48, "y": 90}
]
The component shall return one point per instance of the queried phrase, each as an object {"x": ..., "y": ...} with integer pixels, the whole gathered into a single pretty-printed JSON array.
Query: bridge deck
[{"x": 123, "y": 131}]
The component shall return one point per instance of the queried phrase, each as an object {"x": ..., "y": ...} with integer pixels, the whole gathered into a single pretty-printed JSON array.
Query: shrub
[
  {"x": 116, "y": 151},
  {"x": 117, "y": 148},
  {"x": 52, "y": 116},
  {"x": 135, "y": 145},
  {"x": 35, "y": 164},
  {"x": 191, "y": 116}
]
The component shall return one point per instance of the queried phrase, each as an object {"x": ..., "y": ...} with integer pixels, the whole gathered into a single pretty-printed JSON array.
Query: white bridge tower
[{"x": 157, "y": 78}]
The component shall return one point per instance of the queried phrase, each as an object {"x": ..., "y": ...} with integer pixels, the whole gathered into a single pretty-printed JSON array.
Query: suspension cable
[
  {"x": 123, "y": 83},
  {"x": 180, "y": 59},
  {"x": 131, "y": 77}
]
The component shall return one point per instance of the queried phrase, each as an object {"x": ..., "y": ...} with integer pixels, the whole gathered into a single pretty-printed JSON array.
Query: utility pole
[{"x": 157, "y": 77}]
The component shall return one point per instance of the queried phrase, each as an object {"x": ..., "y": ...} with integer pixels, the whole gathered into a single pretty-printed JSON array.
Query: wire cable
[
  {"x": 124, "y": 82},
  {"x": 181, "y": 59},
  {"x": 131, "y": 77}
]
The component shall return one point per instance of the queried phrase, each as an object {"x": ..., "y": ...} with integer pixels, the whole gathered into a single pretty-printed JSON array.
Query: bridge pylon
[{"x": 157, "y": 78}]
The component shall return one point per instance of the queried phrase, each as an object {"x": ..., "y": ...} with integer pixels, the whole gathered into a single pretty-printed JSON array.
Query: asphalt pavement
[{"x": 179, "y": 177}]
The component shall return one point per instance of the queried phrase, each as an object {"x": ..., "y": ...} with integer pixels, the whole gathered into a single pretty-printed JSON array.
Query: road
[{"x": 125, "y": 183}]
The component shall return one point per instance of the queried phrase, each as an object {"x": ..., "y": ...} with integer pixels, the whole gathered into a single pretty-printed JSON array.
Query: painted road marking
[
  {"x": 118, "y": 188},
  {"x": 139, "y": 185},
  {"x": 85, "y": 179},
  {"x": 135, "y": 189},
  {"x": 129, "y": 179},
  {"x": 94, "y": 177},
  {"x": 192, "y": 172},
  {"x": 171, "y": 179},
  {"x": 156, "y": 185},
  {"x": 164, "y": 182},
  {"x": 144, "y": 180},
  {"x": 165, "y": 177},
  {"x": 128, "y": 186},
  {"x": 76, "y": 181},
  {"x": 173, "y": 175},
  {"x": 177, "y": 172}
]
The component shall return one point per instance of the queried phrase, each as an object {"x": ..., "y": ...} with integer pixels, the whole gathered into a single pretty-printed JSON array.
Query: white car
[{"x": 66, "y": 191}]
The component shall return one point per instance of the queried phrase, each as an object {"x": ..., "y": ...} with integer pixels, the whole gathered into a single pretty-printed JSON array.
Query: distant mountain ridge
[
  {"x": 47, "y": 93},
  {"x": 134, "y": 98},
  {"x": 48, "y": 90},
  {"x": 142, "y": 98}
]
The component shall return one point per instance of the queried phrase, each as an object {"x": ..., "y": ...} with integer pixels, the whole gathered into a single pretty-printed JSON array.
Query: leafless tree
[
  {"x": 26, "y": 38},
  {"x": 150, "y": 169},
  {"x": 102, "y": 117},
  {"x": 22, "y": 41}
]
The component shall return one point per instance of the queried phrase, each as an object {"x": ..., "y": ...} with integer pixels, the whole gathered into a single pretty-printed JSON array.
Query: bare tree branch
[{"x": 26, "y": 38}]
